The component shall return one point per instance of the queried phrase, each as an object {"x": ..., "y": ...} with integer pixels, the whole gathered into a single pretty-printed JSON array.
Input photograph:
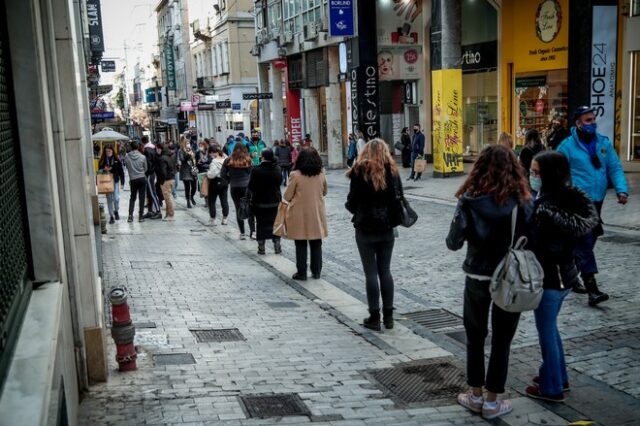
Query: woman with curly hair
[
  {"x": 372, "y": 201},
  {"x": 495, "y": 187},
  {"x": 306, "y": 217}
]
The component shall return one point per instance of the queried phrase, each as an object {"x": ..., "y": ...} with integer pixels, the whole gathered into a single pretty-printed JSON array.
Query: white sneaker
[
  {"x": 212, "y": 222},
  {"x": 243, "y": 236},
  {"x": 224, "y": 221}
]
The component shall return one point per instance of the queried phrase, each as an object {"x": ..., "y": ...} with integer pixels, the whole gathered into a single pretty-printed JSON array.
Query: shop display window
[
  {"x": 539, "y": 97},
  {"x": 635, "y": 107},
  {"x": 480, "y": 111}
]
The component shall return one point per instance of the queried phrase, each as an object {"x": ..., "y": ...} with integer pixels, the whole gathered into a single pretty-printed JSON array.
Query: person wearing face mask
[
  {"x": 255, "y": 148},
  {"x": 417, "y": 149},
  {"x": 594, "y": 163},
  {"x": 558, "y": 132}
]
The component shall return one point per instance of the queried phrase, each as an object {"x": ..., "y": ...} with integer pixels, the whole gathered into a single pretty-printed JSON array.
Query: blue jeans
[{"x": 553, "y": 371}]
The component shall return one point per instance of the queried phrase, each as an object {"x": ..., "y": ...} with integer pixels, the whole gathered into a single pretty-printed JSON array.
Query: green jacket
[{"x": 256, "y": 148}]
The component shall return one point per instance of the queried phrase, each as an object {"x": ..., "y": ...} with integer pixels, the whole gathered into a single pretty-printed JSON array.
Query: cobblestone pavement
[{"x": 184, "y": 276}]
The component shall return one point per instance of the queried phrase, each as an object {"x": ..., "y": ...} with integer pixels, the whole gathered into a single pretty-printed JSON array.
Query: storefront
[
  {"x": 629, "y": 149},
  {"x": 534, "y": 60}
]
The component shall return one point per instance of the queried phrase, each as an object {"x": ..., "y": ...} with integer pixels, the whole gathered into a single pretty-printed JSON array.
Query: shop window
[
  {"x": 480, "y": 110},
  {"x": 635, "y": 8},
  {"x": 539, "y": 97},
  {"x": 635, "y": 106}
]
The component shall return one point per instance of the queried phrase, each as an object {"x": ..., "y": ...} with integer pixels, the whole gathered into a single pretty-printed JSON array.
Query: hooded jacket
[
  {"x": 559, "y": 221},
  {"x": 136, "y": 165},
  {"x": 166, "y": 167},
  {"x": 486, "y": 227}
]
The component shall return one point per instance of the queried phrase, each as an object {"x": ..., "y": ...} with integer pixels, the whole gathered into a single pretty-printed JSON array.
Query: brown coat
[{"x": 306, "y": 217}]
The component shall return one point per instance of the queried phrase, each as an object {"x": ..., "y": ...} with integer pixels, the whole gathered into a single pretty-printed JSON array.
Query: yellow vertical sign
[{"x": 447, "y": 131}]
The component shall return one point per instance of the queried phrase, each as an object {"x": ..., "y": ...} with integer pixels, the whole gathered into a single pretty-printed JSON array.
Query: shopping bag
[
  {"x": 419, "y": 165},
  {"x": 204, "y": 187},
  {"x": 104, "y": 182},
  {"x": 279, "y": 225}
]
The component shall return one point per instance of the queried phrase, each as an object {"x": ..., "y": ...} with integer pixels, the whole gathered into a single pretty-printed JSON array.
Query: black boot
[
  {"x": 387, "y": 315},
  {"x": 188, "y": 203},
  {"x": 193, "y": 201},
  {"x": 579, "y": 288},
  {"x": 117, "y": 216},
  {"x": 261, "y": 247},
  {"x": 277, "y": 248},
  {"x": 373, "y": 322},
  {"x": 595, "y": 295},
  {"x": 111, "y": 220}
]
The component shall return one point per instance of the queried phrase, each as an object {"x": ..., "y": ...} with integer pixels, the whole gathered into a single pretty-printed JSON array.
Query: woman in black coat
[
  {"x": 563, "y": 214},
  {"x": 186, "y": 165},
  {"x": 532, "y": 146},
  {"x": 264, "y": 187},
  {"x": 405, "y": 140}
]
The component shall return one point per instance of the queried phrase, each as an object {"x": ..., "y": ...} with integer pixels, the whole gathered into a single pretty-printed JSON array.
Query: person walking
[
  {"x": 218, "y": 187},
  {"x": 373, "y": 189},
  {"x": 405, "y": 140},
  {"x": 558, "y": 132},
  {"x": 563, "y": 213},
  {"x": 360, "y": 141},
  {"x": 255, "y": 148},
  {"x": 264, "y": 187},
  {"x": 188, "y": 172},
  {"x": 594, "y": 163},
  {"x": 352, "y": 150},
  {"x": 495, "y": 186},
  {"x": 307, "y": 142},
  {"x": 283, "y": 158},
  {"x": 236, "y": 170},
  {"x": 175, "y": 148},
  {"x": 153, "y": 201},
  {"x": 306, "y": 217},
  {"x": 109, "y": 163},
  {"x": 165, "y": 172},
  {"x": 532, "y": 146},
  {"x": 417, "y": 150},
  {"x": 137, "y": 167},
  {"x": 294, "y": 153}
]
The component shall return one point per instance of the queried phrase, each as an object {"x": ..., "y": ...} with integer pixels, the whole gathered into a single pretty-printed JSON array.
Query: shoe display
[
  {"x": 111, "y": 220},
  {"x": 534, "y": 392}
]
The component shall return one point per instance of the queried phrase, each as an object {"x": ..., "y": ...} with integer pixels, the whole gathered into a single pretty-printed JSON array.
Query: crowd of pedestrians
[{"x": 549, "y": 199}]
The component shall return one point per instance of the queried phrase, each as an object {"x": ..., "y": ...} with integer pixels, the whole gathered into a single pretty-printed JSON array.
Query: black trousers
[
  {"x": 285, "y": 174},
  {"x": 189, "y": 188},
  {"x": 375, "y": 253},
  {"x": 137, "y": 187},
  {"x": 316, "y": 256},
  {"x": 236, "y": 195},
  {"x": 477, "y": 302},
  {"x": 214, "y": 193}
]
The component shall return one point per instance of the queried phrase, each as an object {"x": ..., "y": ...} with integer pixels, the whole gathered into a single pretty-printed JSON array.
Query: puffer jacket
[
  {"x": 486, "y": 227},
  {"x": 584, "y": 175},
  {"x": 559, "y": 221}
]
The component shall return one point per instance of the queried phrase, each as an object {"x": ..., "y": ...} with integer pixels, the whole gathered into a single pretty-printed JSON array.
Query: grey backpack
[{"x": 516, "y": 284}]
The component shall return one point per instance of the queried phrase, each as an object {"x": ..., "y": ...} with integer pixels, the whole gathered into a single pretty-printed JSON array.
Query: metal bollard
[{"x": 122, "y": 330}]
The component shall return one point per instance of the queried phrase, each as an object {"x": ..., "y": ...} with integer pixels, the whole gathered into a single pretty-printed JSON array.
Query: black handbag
[
  {"x": 408, "y": 216},
  {"x": 244, "y": 207}
]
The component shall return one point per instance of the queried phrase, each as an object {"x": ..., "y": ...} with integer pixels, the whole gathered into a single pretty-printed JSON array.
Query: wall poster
[{"x": 447, "y": 127}]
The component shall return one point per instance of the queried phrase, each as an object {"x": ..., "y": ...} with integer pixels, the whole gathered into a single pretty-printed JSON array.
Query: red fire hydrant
[{"x": 122, "y": 330}]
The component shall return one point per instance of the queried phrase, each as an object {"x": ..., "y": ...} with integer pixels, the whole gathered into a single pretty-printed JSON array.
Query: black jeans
[
  {"x": 477, "y": 302},
  {"x": 137, "y": 187},
  {"x": 236, "y": 194},
  {"x": 316, "y": 256},
  {"x": 285, "y": 174},
  {"x": 375, "y": 253},
  {"x": 189, "y": 189},
  {"x": 214, "y": 193}
]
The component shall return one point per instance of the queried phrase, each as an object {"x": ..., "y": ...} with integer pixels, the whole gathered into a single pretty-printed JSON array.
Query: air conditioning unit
[
  {"x": 310, "y": 31},
  {"x": 262, "y": 36},
  {"x": 275, "y": 33},
  {"x": 255, "y": 50},
  {"x": 285, "y": 38}
]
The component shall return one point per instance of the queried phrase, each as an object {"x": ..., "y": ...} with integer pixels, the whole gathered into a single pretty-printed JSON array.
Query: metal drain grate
[
  {"x": 150, "y": 264},
  {"x": 218, "y": 335},
  {"x": 278, "y": 405},
  {"x": 428, "y": 381},
  {"x": 145, "y": 324},
  {"x": 282, "y": 305},
  {"x": 435, "y": 319},
  {"x": 174, "y": 359}
]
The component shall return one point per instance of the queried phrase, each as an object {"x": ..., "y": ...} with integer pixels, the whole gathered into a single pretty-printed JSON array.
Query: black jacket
[
  {"x": 152, "y": 160},
  {"x": 527, "y": 154},
  {"x": 283, "y": 155},
  {"x": 202, "y": 161},
  {"x": 556, "y": 137},
  {"x": 558, "y": 223},
  {"x": 486, "y": 227},
  {"x": 264, "y": 185},
  {"x": 374, "y": 211},
  {"x": 236, "y": 177},
  {"x": 165, "y": 167},
  {"x": 116, "y": 169}
]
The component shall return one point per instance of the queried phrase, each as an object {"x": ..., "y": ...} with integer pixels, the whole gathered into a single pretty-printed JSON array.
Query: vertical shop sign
[
  {"x": 341, "y": 18},
  {"x": 94, "y": 18},
  {"x": 294, "y": 125},
  {"x": 169, "y": 64},
  {"x": 447, "y": 127},
  {"x": 603, "y": 67}
]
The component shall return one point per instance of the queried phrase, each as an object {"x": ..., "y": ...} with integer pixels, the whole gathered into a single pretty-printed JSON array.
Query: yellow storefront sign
[{"x": 447, "y": 131}]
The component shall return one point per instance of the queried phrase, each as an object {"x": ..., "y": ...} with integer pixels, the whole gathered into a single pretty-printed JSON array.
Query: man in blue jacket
[
  {"x": 417, "y": 149},
  {"x": 594, "y": 163}
]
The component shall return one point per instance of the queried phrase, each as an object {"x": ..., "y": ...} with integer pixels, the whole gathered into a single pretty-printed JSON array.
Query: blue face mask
[
  {"x": 536, "y": 183},
  {"x": 590, "y": 128}
]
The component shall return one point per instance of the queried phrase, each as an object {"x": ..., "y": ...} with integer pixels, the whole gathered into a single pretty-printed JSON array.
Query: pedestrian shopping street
[{"x": 304, "y": 338}]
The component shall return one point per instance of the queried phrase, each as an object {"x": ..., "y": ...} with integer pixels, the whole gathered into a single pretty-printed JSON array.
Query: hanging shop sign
[
  {"x": 480, "y": 57},
  {"x": 223, "y": 104},
  {"x": 365, "y": 100},
  {"x": 106, "y": 115},
  {"x": 603, "y": 67},
  {"x": 94, "y": 18},
  {"x": 206, "y": 107},
  {"x": 169, "y": 64},
  {"x": 186, "y": 106},
  {"x": 108, "y": 66},
  {"x": 447, "y": 131},
  {"x": 294, "y": 119},
  {"x": 252, "y": 96},
  {"x": 535, "y": 81},
  {"x": 341, "y": 22},
  {"x": 150, "y": 95}
]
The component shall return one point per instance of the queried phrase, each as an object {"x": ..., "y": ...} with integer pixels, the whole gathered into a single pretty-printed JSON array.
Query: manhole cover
[
  {"x": 424, "y": 381},
  {"x": 282, "y": 305},
  {"x": 150, "y": 264},
  {"x": 461, "y": 336},
  {"x": 435, "y": 319},
  {"x": 218, "y": 335},
  {"x": 145, "y": 324},
  {"x": 278, "y": 405},
  {"x": 173, "y": 359}
]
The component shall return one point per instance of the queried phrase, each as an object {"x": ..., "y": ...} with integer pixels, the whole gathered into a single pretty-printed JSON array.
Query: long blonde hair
[{"x": 372, "y": 162}]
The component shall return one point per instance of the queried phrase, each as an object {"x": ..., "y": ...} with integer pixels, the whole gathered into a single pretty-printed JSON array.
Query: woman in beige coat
[{"x": 306, "y": 217}]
